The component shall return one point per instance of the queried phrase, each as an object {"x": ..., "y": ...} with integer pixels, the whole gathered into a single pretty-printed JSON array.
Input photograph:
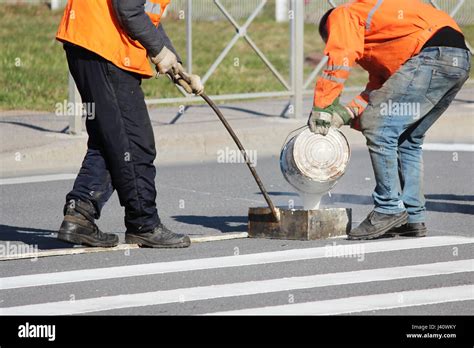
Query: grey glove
[
  {"x": 319, "y": 122},
  {"x": 166, "y": 61},
  {"x": 191, "y": 83},
  {"x": 335, "y": 115}
]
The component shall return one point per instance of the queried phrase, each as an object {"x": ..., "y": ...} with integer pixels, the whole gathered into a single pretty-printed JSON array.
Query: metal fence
[
  {"x": 461, "y": 10},
  {"x": 205, "y": 10},
  {"x": 296, "y": 85},
  {"x": 300, "y": 10}
]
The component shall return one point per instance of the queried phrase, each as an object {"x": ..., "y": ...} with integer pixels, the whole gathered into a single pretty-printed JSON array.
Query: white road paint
[
  {"x": 37, "y": 178},
  {"x": 261, "y": 287},
  {"x": 311, "y": 201},
  {"x": 226, "y": 261},
  {"x": 448, "y": 147},
  {"x": 366, "y": 303},
  {"x": 218, "y": 237}
]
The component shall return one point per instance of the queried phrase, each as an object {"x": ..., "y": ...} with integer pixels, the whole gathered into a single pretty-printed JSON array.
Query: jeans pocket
[{"x": 442, "y": 80}]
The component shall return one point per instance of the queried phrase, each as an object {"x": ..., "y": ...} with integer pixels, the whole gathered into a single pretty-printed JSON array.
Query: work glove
[
  {"x": 191, "y": 83},
  {"x": 335, "y": 115},
  {"x": 357, "y": 108},
  {"x": 166, "y": 61}
]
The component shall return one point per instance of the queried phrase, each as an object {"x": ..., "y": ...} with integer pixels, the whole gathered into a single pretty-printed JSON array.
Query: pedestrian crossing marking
[
  {"x": 368, "y": 303},
  {"x": 82, "y": 275},
  {"x": 212, "y": 292}
]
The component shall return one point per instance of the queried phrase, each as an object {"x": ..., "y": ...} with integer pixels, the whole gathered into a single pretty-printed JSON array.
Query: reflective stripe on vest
[
  {"x": 332, "y": 78},
  {"x": 371, "y": 14},
  {"x": 152, "y": 8}
]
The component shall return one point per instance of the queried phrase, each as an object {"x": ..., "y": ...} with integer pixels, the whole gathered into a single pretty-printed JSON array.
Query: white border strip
[
  {"x": 37, "y": 178},
  {"x": 366, "y": 303},
  {"x": 211, "y": 292},
  {"x": 83, "y": 275},
  {"x": 448, "y": 147}
]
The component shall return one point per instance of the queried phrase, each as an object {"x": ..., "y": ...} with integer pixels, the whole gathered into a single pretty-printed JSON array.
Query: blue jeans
[{"x": 397, "y": 118}]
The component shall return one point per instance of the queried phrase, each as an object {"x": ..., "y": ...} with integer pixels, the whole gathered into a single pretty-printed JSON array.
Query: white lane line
[
  {"x": 219, "y": 237},
  {"x": 227, "y": 261},
  {"x": 37, "y": 178},
  {"x": 448, "y": 147},
  {"x": 365, "y": 303},
  {"x": 238, "y": 289}
]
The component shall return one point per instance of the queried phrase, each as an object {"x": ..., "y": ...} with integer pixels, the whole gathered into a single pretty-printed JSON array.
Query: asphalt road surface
[{"x": 431, "y": 275}]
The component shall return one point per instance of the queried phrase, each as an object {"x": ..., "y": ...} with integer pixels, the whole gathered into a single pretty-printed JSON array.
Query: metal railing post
[
  {"x": 54, "y": 4},
  {"x": 297, "y": 57},
  {"x": 74, "y": 98},
  {"x": 189, "y": 36}
]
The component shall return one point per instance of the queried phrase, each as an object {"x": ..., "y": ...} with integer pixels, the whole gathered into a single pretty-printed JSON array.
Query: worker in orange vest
[
  {"x": 417, "y": 62},
  {"x": 108, "y": 45}
]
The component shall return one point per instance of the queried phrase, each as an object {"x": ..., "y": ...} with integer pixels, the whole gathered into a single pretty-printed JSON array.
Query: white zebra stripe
[
  {"x": 366, "y": 303},
  {"x": 225, "y": 262},
  {"x": 243, "y": 289}
]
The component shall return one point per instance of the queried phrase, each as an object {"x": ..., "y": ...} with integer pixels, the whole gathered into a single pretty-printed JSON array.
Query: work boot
[
  {"x": 78, "y": 227},
  {"x": 376, "y": 224},
  {"x": 160, "y": 237},
  {"x": 416, "y": 229}
]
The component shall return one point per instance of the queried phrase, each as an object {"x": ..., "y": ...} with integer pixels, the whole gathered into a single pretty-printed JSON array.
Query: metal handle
[{"x": 241, "y": 148}]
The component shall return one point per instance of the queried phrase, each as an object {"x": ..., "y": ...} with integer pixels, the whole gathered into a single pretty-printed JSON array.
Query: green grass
[{"x": 33, "y": 68}]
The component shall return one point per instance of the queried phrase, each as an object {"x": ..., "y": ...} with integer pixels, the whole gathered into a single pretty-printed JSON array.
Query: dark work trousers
[{"x": 121, "y": 146}]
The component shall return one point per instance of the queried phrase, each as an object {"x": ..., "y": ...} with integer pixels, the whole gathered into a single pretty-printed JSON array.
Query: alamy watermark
[
  {"x": 235, "y": 156},
  {"x": 28, "y": 330},
  {"x": 10, "y": 250},
  {"x": 72, "y": 109},
  {"x": 345, "y": 251},
  {"x": 392, "y": 108}
]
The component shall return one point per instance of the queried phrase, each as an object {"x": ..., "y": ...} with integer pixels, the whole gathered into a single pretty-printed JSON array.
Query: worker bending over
[{"x": 417, "y": 62}]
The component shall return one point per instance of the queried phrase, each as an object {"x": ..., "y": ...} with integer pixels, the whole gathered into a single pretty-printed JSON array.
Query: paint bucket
[{"x": 313, "y": 163}]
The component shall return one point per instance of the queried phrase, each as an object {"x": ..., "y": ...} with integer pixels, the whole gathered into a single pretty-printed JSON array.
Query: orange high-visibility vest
[
  {"x": 379, "y": 35},
  {"x": 92, "y": 25}
]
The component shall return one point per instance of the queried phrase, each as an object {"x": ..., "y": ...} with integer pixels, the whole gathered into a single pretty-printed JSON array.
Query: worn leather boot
[
  {"x": 377, "y": 224},
  {"x": 417, "y": 229},
  {"x": 78, "y": 227},
  {"x": 160, "y": 237}
]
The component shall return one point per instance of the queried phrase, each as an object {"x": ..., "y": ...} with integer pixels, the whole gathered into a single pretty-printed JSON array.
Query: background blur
[{"x": 34, "y": 74}]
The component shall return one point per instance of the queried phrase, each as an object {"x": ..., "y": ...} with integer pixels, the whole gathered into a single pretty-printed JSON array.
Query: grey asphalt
[
  {"x": 216, "y": 197},
  {"x": 213, "y": 198}
]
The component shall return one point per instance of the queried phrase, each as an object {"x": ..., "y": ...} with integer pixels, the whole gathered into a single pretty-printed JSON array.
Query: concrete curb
[
  {"x": 176, "y": 144},
  {"x": 199, "y": 136}
]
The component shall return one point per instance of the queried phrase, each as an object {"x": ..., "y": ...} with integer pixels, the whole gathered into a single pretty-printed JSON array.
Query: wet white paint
[{"x": 311, "y": 201}]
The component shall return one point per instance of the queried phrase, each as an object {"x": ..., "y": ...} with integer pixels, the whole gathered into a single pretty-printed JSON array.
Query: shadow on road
[
  {"x": 451, "y": 197},
  {"x": 442, "y": 207},
  {"x": 42, "y": 239},
  {"x": 32, "y": 126},
  {"x": 235, "y": 108},
  {"x": 224, "y": 224}
]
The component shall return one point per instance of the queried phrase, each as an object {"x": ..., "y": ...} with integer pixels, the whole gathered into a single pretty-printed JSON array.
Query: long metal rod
[
  {"x": 297, "y": 6},
  {"x": 244, "y": 153},
  {"x": 242, "y": 150}
]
